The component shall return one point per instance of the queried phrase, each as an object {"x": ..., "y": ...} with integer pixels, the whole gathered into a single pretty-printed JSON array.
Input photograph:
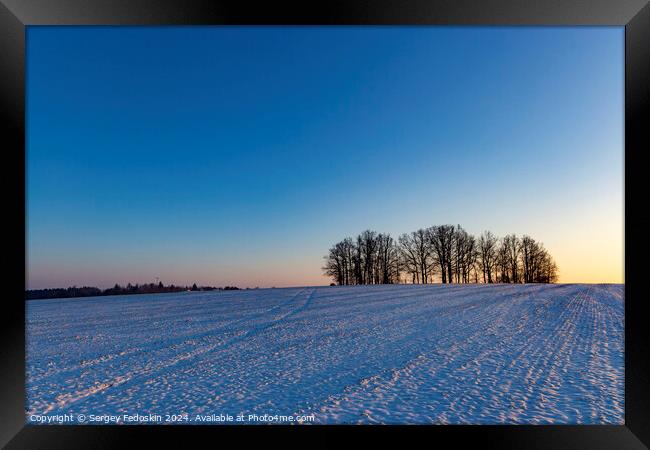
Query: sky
[{"x": 239, "y": 155}]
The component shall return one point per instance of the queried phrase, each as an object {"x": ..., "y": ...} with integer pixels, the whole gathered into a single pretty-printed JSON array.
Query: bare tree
[
  {"x": 423, "y": 253},
  {"x": 334, "y": 265},
  {"x": 503, "y": 263},
  {"x": 470, "y": 256},
  {"x": 487, "y": 245},
  {"x": 464, "y": 254},
  {"x": 387, "y": 260},
  {"x": 458, "y": 249},
  {"x": 513, "y": 248},
  {"x": 538, "y": 265},
  {"x": 408, "y": 253},
  {"x": 368, "y": 252},
  {"x": 529, "y": 253},
  {"x": 548, "y": 270},
  {"x": 357, "y": 262},
  {"x": 441, "y": 239}
]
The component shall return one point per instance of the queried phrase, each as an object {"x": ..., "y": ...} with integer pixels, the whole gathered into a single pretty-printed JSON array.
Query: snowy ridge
[{"x": 363, "y": 354}]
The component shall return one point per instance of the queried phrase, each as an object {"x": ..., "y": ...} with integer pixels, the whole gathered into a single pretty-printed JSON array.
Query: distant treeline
[
  {"x": 87, "y": 291},
  {"x": 442, "y": 253}
]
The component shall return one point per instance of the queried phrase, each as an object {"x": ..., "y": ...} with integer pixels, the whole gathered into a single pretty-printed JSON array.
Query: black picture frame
[{"x": 634, "y": 15}]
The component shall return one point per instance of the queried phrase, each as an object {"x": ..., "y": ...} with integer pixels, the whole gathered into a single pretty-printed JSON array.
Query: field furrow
[{"x": 482, "y": 354}]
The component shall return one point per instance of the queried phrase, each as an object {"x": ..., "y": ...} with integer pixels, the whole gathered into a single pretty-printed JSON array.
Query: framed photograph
[{"x": 422, "y": 217}]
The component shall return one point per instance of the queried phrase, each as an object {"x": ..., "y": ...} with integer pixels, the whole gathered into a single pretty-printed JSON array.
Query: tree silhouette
[{"x": 444, "y": 252}]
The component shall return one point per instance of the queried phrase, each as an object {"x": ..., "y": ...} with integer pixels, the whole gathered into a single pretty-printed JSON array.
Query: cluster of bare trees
[
  {"x": 444, "y": 253},
  {"x": 371, "y": 258}
]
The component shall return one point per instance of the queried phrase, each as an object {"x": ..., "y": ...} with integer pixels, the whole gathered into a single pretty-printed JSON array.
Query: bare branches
[
  {"x": 487, "y": 247},
  {"x": 441, "y": 239},
  {"x": 371, "y": 258},
  {"x": 512, "y": 247},
  {"x": 444, "y": 253}
]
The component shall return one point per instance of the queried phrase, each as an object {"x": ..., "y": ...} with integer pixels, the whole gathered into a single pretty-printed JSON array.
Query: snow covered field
[{"x": 478, "y": 354}]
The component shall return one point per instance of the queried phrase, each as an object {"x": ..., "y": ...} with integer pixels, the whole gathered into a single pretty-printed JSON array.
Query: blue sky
[{"x": 238, "y": 155}]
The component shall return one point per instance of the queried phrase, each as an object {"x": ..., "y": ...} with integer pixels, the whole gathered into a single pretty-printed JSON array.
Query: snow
[{"x": 454, "y": 354}]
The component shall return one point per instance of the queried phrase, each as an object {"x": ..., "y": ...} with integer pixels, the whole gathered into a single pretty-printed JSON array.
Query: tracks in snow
[
  {"x": 385, "y": 354},
  {"x": 297, "y": 306},
  {"x": 520, "y": 365}
]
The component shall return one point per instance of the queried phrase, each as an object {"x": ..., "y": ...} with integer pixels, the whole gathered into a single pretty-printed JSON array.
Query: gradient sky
[{"x": 239, "y": 155}]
